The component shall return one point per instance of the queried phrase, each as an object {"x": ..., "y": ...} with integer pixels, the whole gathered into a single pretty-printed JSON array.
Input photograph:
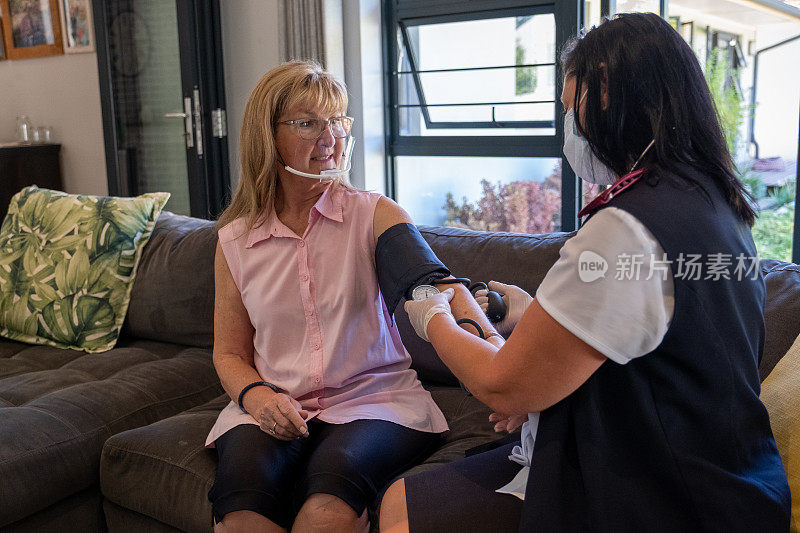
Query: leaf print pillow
[{"x": 67, "y": 265}]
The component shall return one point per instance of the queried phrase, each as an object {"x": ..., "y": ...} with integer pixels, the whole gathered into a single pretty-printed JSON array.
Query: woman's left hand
[
  {"x": 420, "y": 312},
  {"x": 507, "y": 422}
]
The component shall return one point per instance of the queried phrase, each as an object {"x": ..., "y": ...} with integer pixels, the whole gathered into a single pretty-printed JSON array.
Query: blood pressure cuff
[{"x": 404, "y": 260}]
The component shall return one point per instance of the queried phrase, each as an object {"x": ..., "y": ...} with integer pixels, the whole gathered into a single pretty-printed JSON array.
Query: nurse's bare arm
[
  {"x": 541, "y": 363},
  {"x": 388, "y": 214},
  {"x": 233, "y": 356}
]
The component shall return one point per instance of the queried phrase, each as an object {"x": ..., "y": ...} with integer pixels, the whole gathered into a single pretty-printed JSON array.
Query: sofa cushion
[
  {"x": 82, "y": 511},
  {"x": 469, "y": 427},
  {"x": 781, "y": 311},
  {"x": 69, "y": 262},
  {"x": 121, "y": 519},
  {"x": 171, "y": 456},
  {"x": 57, "y": 407},
  {"x": 179, "y": 260},
  {"x": 512, "y": 258},
  {"x": 780, "y": 393}
]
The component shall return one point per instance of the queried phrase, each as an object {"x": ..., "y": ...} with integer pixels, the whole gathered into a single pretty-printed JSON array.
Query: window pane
[
  {"x": 522, "y": 84},
  {"x": 478, "y": 47},
  {"x": 725, "y": 41},
  {"x": 773, "y": 174},
  {"x": 483, "y": 193},
  {"x": 640, "y": 6},
  {"x": 591, "y": 12},
  {"x": 484, "y": 43}
]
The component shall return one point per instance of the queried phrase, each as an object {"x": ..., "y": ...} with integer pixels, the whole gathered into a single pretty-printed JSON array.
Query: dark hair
[{"x": 656, "y": 90}]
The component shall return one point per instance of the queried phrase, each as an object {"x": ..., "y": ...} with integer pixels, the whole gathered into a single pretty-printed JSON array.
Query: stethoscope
[{"x": 495, "y": 310}]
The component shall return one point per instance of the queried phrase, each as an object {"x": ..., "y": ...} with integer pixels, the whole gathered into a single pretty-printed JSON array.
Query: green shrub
[
  {"x": 773, "y": 234},
  {"x": 727, "y": 99},
  {"x": 525, "y": 76},
  {"x": 752, "y": 183},
  {"x": 783, "y": 195}
]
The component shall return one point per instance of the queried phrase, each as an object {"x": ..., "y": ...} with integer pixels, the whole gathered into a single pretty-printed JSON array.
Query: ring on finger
[{"x": 274, "y": 426}]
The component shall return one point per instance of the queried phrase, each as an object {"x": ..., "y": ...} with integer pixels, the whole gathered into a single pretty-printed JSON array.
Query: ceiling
[{"x": 745, "y": 12}]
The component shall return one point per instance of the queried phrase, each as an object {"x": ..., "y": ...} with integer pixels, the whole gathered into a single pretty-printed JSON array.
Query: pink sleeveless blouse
[{"x": 323, "y": 334}]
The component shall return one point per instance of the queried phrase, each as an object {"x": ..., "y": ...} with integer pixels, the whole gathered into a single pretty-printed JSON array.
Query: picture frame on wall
[
  {"x": 31, "y": 28},
  {"x": 78, "y": 33}
]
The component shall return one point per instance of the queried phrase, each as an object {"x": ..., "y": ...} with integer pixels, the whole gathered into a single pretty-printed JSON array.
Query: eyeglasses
[{"x": 310, "y": 129}]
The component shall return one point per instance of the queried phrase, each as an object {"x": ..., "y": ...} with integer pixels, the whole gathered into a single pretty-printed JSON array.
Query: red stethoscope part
[{"x": 607, "y": 195}]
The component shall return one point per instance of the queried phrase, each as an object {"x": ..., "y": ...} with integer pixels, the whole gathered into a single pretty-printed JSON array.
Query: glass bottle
[{"x": 23, "y": 128}]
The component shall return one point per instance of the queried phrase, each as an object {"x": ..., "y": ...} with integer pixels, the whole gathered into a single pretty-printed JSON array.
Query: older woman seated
[{"x": 325, "y": 409}]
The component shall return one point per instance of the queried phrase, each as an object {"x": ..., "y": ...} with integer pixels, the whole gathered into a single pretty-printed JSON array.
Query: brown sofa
[{"x": 114, "y": 441}]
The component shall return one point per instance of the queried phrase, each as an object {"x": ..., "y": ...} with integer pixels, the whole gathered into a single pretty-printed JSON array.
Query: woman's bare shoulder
[{"x": 387, "y": 214}]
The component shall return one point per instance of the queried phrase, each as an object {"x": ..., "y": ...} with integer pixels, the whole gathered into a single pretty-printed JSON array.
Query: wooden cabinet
[{"x": 27, "y": 164}]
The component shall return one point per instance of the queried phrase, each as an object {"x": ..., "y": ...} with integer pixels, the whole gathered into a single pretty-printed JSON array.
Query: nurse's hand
[
  {"x": 516, "y": 300},
  {"x": 507, "y": 422},
  {"x": 420, "y": 312},
  {"x": 277, "y": 414}
]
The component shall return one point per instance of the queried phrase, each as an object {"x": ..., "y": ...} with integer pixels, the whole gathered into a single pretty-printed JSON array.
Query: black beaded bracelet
[{"x": 248, "y": 387}]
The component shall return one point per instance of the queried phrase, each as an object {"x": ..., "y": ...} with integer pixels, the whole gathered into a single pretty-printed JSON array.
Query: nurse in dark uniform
[{"x": 634, "y": 368}]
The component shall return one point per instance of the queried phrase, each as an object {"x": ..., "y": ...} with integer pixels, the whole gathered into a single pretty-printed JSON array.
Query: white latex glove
[
  {"x": 421, "y": 312},
  {"x": 516, "y": 300}
]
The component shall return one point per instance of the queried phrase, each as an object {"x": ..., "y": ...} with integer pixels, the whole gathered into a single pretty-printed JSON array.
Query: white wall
[
  {"x": 62, "y": 92},
  {"x": 363, "y": 67},
  {"x": 250, "y": 47}
]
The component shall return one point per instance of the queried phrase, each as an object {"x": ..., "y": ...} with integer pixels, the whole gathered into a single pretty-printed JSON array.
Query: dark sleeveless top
[{"x": 676, "y": 440}]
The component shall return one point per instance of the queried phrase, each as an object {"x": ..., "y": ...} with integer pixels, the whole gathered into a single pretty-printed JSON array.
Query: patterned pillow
[
  {"x": 780, "y": 393},
  {"x": 67, "y": 264}
]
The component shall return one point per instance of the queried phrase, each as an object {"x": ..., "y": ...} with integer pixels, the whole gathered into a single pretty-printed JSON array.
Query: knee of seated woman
[
  {"x": 322, "y": 511},
  {"x": 244, "y": 521},
  {"x": 394, "y": 515}
]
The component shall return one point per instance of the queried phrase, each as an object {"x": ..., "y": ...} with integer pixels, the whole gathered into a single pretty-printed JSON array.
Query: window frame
[
  {"x": 403, "y": 27},
  {"x": 568, "y": 16}
]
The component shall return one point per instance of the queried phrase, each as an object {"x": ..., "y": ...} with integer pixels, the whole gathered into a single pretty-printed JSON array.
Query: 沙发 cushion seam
[
  {"x": 489, "y": 236},
  {"x": 100, "y": 428},
  {"x": 138, "y": 508},
  {"x": 155, "y": 457},
  {"x": 50, "y": 391},
  {"x": 782, "y": 268}
]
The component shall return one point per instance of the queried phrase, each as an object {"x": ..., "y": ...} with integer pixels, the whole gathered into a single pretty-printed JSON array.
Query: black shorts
[
  {"x": 460, "y": 496},
  {"x": 353, "y": 461}
]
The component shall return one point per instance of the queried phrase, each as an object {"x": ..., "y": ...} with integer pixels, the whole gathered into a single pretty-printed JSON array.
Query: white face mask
[
  {"x": 586, "y": 165},
  {"x": 580, "y": 156}
]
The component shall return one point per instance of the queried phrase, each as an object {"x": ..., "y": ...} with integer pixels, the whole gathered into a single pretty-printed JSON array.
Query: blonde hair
[{"x": 292, "y": 83}]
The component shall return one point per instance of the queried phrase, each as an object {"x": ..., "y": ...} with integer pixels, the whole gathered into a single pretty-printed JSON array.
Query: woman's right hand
[
  {"x": 507, "y": 423},
  {"x": 277, "y": 414}
]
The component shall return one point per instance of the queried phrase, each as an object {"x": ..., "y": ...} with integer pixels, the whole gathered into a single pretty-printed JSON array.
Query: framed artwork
[
  {"x": 77, "y": 26},
  {"x": 31, "y": 28}
]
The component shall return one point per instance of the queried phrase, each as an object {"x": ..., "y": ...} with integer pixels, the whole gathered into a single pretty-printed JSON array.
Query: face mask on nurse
[{"x": 580, "y": 156}]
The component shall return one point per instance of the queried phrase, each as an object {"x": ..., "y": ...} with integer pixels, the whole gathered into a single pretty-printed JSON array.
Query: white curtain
[{"x": 302, "y": 31}]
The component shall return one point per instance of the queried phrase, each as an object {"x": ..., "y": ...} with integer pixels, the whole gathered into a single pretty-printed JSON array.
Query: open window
[
  {"x": 484, "y": 76},
  {"x": 473, "y": 114}
]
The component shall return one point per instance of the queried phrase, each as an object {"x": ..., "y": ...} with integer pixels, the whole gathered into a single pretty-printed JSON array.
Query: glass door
[{"x": 163, "y": 106}]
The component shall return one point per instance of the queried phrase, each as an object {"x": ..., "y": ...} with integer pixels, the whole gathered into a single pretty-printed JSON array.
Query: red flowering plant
[{"x": 519, "y": 206}]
